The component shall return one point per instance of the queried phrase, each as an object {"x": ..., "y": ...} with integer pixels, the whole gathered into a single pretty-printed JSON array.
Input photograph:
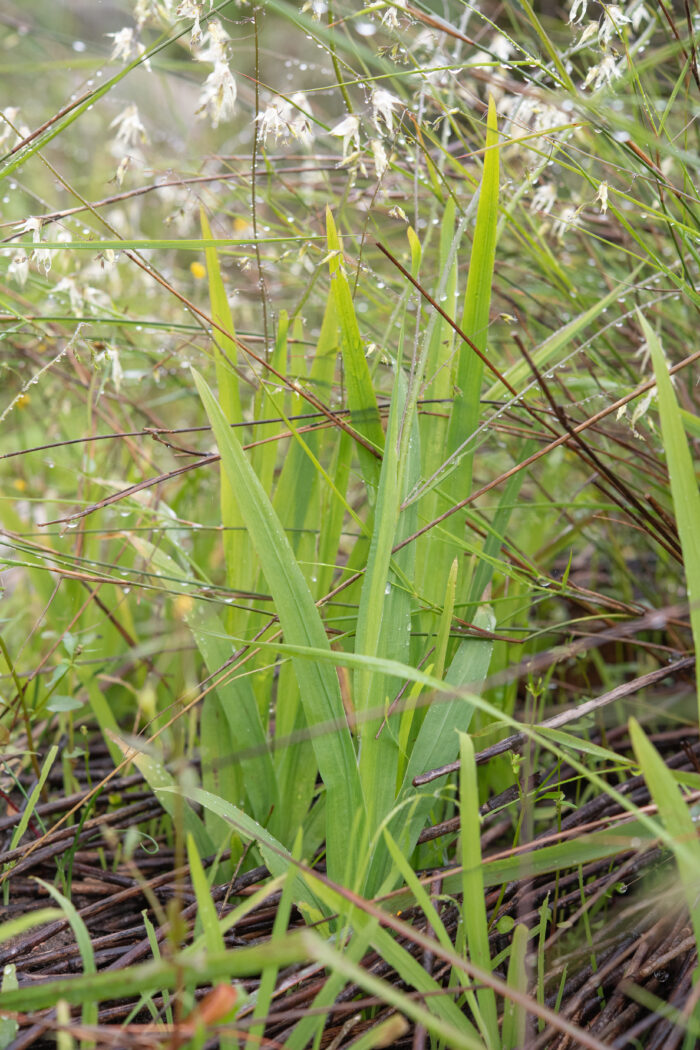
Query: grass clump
[{"x": 344, "y": 529}]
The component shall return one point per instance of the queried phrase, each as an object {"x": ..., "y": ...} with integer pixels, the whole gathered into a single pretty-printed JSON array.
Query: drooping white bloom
[
  {"x": 130, "y": 129},
  {"x": 602, "y": 197},
  {"x": 501, "y": 47},
  {"x": 613, "y": 17},
  {"x": 383, "y": 105},
  {"x": 9, "y": 127},
  {"x": 316, "y": 7},
  {"x": 577, "y": 12},
  {"x": 217, "y": 39},
  {"x": 274, "y": 120},
  {"x": 19, "y": 268},
  {"x": 568, "y": 220},
  {"x": 125, "y": 45},
  {"x": 349, "y": 131},
  {"x": 40, "y": 256},
  {"x": 218, "y": 96},
  {"x": 588, "y": 33},
  {"x": 381, "y": 162},
  {"x": 603, "y": 73},
  {"x": 283, "y": 119},
  {"x": 390, "y": 18},
  {"x": 543, "y": 198},
  {"x": 68, "y": 285},
  {"x": 300, "y": 122},
  {"x": 191, "y": 9}
]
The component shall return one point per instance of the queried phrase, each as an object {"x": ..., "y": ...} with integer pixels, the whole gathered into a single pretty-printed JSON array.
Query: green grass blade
[
  {"x": 474, "y": 918},
  {"x": 362, "y": 399},
  {"x": 676, "y": 817},
  {"x": 301, "y": 623},
  {"x": 514, "y": 1016},
  {"x": 26, "y": 816},
  {"x": 163, "y": 784},
  {"x": 82, "y": 938},
  {"x": 276, "y": 857},
  {"x": 279, "y": 929},
  {"x": 684, "y": 485},
  {"x": 456, "y": 1037},
  {"x": 202, "y": 969},
  {"x": 437, "y": 740},
  {"x": 206, "y": 909},
  {"x": 378, "y": 757},
  {"x": 9, "y": 1026},
  {"x": 16, "y": 927},
  {"x": 464, "y": 418},
  {"x": 239, "y": 706},
  {"x": 225, "y": 349}
]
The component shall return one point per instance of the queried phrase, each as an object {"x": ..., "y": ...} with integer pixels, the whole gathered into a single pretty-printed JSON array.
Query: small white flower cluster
[
  {"x": 217, "y": 99},
  {"x": 286, "y": 119},
  {"x": 383, "y": 106},
  {"x": 130, "y": 135},
  {"x": 610, "y": 26},
  {"x": 41, "y": 257},
  {"x": 126, "y": 46},
  {"x": 218, "y": 96}
]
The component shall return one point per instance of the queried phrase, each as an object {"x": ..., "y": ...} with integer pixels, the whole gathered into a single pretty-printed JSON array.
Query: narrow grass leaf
[
  {"x": 676, "y": 817},
  {"x": 684, "y": 485},
  {"x": 301, "y": 623},
  {"x": 362, "y": 399},
  {"x": 464, "y": 417},
  {"x": 514, "y": 1016},
  {"x": 28, "y": 811},
  {"x": 9, "y": 1026},
  {"x": 12, "y": 928},
  {"x": 82, "y": 938},
  {"x": 206, "y": 909},
  {"x": 152, "y": 976},
  {"x": 225, "y": 349},
  {"x": 164, "y": 786},
  {"x": 474, "y": 918},
  {"x": 454, "y": 1037}
]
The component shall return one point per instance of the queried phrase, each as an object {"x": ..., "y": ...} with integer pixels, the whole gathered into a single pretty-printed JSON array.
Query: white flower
[
  {"x": 125, "y": 45},
  {"x": 501, "y": 47},
  {"x": 275, "y": 120},
  {"x": 383, "y": 104},
  {"x": 543, "y": 198},
  {"x": 613, "y": 18},
  {"x": 578, "y": 12},
  {"x": 300, "y": 124},
  {"x": 191, "y": 9},
  {"x": 130, "y": 130},
  {"x": 217, "y": 38},
  {"x": 19, "y": 268},
  {"x": 602, "y": 197},
  {"x": 349, "y": 131},
  {"x": 40, "y": 256},
  {"x": 568, "y": 220},
  {"x": 316, "y": 7},
  {"x": 588, "y": 33},
  {"x": 282, "y": 119},
  {"x": 604, "y": 73},
  {"x": 380, "y": 159},
  {"x": 218, "y": 96},
  {"x": 390, "y": 17}
]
